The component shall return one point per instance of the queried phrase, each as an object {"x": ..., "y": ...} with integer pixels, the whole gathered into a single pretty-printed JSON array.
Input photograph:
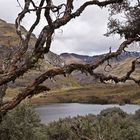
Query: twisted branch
[{"x": 39, "y": 49}]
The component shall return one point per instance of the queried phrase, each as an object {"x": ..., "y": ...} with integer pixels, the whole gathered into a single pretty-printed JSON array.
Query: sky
[{"x": 83, "y": 35}]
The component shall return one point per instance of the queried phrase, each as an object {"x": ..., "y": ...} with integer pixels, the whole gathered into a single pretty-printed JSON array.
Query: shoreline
[{"x": 89, "y": 94}]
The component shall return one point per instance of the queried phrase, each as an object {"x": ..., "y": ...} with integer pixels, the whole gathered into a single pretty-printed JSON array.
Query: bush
[
  {"x": 22, "y": 123},
  {"x": 137, "y": 116},
  {"x": 110, "y": 112},
  {"x": 110, "y": 124},
  {"x": 70, "y": 128}
]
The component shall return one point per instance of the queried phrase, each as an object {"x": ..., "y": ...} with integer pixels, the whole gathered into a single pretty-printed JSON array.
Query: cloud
[
  {"x": 83, "y": 35},
  {"x": 9, "y": 10}
]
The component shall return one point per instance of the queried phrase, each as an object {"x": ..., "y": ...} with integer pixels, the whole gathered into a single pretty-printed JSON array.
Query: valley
[{"x": 77, "y": 87}]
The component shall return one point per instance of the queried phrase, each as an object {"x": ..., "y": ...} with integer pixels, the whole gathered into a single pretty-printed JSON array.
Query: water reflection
[{"x": 52, "y": 112}]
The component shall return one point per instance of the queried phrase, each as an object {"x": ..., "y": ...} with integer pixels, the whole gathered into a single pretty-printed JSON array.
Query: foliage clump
[
  {"x": 125, "y": 19},
  {"x": 110, "y": 124},
  {"x": 22, "y": 123}
]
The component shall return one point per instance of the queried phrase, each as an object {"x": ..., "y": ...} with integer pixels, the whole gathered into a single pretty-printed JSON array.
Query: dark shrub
[
  {"x": 113, "y": 111},
  {"x": 110, "y": 124},
  {"x": 22, "y": 123}
]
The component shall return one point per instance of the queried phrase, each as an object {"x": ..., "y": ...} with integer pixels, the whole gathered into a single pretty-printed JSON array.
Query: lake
[{"x": 53, "y": 112}]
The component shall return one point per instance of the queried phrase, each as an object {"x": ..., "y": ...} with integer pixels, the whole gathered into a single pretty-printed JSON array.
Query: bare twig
[{"x": 40, "y": 49}]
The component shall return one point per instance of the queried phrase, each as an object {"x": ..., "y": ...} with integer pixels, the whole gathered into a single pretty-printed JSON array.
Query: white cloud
[
  {"x": 9, "y": 10},
  {"x": 83, "y": 35}
]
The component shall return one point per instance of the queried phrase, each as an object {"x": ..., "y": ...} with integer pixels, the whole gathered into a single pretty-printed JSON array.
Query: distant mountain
[
  {"x": 54, "y": 59},
  {"x": 9, "y": 40},
  {"x": 8, "y": 37},
  {"x": 76, "y": 58},
  {"x": 119, "y": 65}
]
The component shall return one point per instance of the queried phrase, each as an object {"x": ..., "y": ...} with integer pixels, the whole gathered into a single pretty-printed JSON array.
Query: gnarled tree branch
[{"x": 40, "y": 49}]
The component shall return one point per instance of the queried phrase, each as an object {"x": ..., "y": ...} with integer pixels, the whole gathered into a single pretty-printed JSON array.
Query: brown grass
[{"x": 96, "y": 93}]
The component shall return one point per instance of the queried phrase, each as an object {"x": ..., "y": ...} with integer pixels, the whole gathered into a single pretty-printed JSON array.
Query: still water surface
[{"x": 53, "y": 112}]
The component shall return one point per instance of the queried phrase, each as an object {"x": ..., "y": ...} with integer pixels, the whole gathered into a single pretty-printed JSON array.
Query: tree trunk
[{"x": 3, "y": 89}]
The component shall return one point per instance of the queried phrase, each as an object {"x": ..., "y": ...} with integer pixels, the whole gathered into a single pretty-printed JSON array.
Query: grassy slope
[
  {"x": 100, "y": 93},
  {"x": 68, "y": 92},
  {"x": 97, "y": 93},
  {"x": 8, "y": 36}
]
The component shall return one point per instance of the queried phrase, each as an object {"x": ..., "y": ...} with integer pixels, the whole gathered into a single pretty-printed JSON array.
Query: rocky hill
[
  {"x": 76, "y": 58},
  {"x": 119, "y": 65},
  {"x": 9, "y": 40},
  {"x": 8, "y": 37}
]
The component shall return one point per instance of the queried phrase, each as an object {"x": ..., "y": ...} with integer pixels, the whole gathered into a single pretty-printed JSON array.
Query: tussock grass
[{"x": 96, "y": 93}]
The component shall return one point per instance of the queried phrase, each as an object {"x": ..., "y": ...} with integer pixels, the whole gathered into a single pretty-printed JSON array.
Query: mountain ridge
[
  {"x": 52, "y": 59},
  {"x": 77, "y": 87},
  {"x": 90, "y": 59}
]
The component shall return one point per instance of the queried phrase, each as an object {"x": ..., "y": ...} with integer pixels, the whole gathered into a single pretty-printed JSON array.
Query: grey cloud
[
  {"x": 83, "y": 35},
  {"x": 9, "y": 10},
  {"x": 83, "y": 46}
]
